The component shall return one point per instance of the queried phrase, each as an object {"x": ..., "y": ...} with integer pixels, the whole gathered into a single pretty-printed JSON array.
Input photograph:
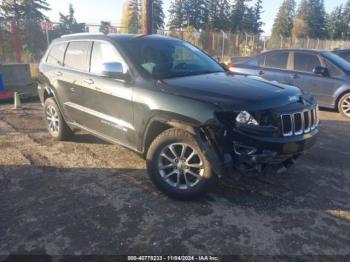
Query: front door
[
  {"x": 322, "y": 87},
  {"x": 108, "y": 101}
]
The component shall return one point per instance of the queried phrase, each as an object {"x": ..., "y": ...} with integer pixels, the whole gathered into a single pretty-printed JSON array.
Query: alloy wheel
[
  {"x": 345, "y": 106},
  {"x": 181, "y": 166},
  {"x": 53, "y": 119}
]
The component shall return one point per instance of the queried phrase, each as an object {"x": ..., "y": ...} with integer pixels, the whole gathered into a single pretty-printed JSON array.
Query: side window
[
  {"x": 277, "y": 60},
  {"x": 258, "y": 61},
  {"x": 305, "y": 62},
  {"x": 103, "y": 53},
  {"x": 56, "y": 54},
  {"x": 77, "y": 56}
]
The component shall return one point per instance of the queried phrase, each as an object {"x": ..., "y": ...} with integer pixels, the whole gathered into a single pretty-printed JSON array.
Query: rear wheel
[
  {"x": 344, "y": 105},
  {"x": 177, "y": 166},
  {"x": 56, "y": 125}
]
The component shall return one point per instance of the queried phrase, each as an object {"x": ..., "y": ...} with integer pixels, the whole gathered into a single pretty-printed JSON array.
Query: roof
[
  {"x": 296, "y": 49},
  {"x": 115, "y": 37}
]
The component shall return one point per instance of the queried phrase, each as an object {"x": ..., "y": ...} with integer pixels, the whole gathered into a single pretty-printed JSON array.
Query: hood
[{"x": 231, "y": 91}]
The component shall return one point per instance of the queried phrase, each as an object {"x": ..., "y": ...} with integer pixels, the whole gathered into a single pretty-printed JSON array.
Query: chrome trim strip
[{"x": 119, "y": 123}]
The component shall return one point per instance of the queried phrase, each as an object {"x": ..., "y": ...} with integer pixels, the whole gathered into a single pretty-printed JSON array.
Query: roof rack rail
[{"x": 81, "y": 34}]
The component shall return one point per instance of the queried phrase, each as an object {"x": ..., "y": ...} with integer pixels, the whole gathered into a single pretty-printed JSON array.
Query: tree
[
  {"x": 188, "y": 13},
  {"x": 177, "y": 14},
  {"x": 27, "y": 15},
  {"x": 283, "y": 23},
  {"x": 239, "y": 10},
  {"x": 346, "y": 20},
  {"x": 219, "y": 15},
  {"x": 299, "y": 28},
  {"x": 33, "y": 38},
  {"x": 335, "y": 23},
  {"x": 104, "y": 27},
  {"x": 313, "y": 13},
  {"x": 257, "y": 24},
  {"x": 69, "y": 25},
  {"x": 134, "y": 16},
  {"x": 158, "y": 15}
]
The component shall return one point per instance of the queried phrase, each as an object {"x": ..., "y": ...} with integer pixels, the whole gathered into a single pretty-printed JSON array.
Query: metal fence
[
  {"x": 220, "y": 44},
  {"x": 226, "y": 45}
]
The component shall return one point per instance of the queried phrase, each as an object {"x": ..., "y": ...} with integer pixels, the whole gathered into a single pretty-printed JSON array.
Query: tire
[
  {"x": 344, "y": 105},
  {"x": 56, "y": 125},
  {"x": 173, "y": 175}
]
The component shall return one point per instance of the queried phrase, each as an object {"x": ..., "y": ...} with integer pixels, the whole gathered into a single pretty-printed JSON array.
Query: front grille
[{"x": 300, "y": 123}]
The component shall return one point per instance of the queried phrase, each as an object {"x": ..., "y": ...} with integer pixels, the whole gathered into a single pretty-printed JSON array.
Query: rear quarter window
[
  {"x": 56, "y": 54},
  {"x": 77, "y": 56}
]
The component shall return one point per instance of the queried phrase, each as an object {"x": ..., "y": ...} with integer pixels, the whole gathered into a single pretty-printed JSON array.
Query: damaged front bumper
[{"x": 241, "y": 154}]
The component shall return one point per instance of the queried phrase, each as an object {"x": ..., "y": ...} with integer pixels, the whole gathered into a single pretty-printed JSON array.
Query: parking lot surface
[{"x": 86, "y": 196}]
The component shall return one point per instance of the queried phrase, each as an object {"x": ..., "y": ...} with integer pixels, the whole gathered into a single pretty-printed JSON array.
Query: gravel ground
[{"x": 89, "y": 197}]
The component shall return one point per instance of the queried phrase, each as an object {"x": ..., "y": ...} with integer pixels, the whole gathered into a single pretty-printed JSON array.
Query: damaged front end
[{"x": 250, "y": 144}]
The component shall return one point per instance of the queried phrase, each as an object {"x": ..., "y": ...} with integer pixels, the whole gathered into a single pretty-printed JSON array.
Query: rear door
[
  {"x": 76, "y": 68},
  {"x": 276, "y": 67},
  {"x": 109, "y": 101}
]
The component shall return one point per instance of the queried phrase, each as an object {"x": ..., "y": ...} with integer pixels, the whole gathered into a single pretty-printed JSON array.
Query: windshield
[
  {"x": 339, "y": 61},
  {"x": 163, "y": 59}
]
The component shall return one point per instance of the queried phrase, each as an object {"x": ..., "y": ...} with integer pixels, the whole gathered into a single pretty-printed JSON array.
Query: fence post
[{"x": 281, "y": 36}]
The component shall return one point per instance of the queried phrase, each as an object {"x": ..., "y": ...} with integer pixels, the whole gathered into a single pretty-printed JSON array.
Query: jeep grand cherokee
[{"x": 191, "y": 119}]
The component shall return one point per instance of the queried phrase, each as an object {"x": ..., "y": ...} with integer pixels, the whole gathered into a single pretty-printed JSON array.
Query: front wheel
[
  {"x": 56, "y": 125},
  {"x": 177, "y": 166},
  {"x": 344, "y": 105}
]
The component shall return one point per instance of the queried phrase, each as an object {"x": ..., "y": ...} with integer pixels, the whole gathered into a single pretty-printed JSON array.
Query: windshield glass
[
  {"x": 163, "y": 59},
  {"x": 337, "y": 60}
]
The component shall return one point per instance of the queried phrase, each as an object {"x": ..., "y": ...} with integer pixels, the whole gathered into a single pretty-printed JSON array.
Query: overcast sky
[{"x": 93, "y": 11}]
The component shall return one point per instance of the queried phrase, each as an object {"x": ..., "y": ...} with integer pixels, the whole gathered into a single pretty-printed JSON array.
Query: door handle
[
  {"x": 58, "y": 73},
  {"x": 261, "y": 73},
  {"x": 97, "y": 88},
  {"x": 89, "y": 81}
]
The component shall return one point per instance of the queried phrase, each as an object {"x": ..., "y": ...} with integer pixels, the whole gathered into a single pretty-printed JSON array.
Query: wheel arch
[{"x": 344, "y": 92}]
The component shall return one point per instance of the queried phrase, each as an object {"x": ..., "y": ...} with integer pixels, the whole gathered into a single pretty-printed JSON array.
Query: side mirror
[
  {"x": 113, "y": 70},
  {"x": 319, "y": 70}
]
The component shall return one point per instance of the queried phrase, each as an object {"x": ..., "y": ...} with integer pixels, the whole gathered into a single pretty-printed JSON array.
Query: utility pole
[{"x": 147, "y": 17}]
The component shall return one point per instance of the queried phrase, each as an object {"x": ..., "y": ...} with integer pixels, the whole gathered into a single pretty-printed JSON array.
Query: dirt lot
[{"x": 89, "y": 197}]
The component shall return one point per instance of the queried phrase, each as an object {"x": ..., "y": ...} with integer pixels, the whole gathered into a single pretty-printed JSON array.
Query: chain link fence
[{"x": 218, "y": 44}]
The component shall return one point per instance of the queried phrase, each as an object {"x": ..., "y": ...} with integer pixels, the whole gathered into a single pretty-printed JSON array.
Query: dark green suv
[{"x": 169, "y": 101}]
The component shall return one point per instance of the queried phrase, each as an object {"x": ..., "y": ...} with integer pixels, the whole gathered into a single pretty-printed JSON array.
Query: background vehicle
[
  {"x": 320, "y": 73},
  {"x": 169, "y": 101},
  {"x": 344, "y": 53}
]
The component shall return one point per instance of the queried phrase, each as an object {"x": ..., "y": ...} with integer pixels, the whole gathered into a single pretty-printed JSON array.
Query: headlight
[{"x": 244, "y": 118}]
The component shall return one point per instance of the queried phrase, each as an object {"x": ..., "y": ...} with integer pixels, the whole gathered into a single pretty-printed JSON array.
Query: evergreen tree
[
  {"x": 158, "y": 15},
  {"x": 104, "y": 27},
  {"x": 335, "y": 23},
  {"x": 177, "y": 16},
  {"x": 28, "y": 15},
  {"x": 317, "y": 19},
  {"x": 219, "y": 15},
  {"x": 283, "y": 23},
  {"x": 239, "y": 10},
  {"x": 134, "y": 16},
  {"x": 313, "y": 13},
  {"x": 257, "y": 25},
  {"x": 188, "y": 13},
  {"x": 346, "y": 20},
  {"x": 69, "y": 25}
]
